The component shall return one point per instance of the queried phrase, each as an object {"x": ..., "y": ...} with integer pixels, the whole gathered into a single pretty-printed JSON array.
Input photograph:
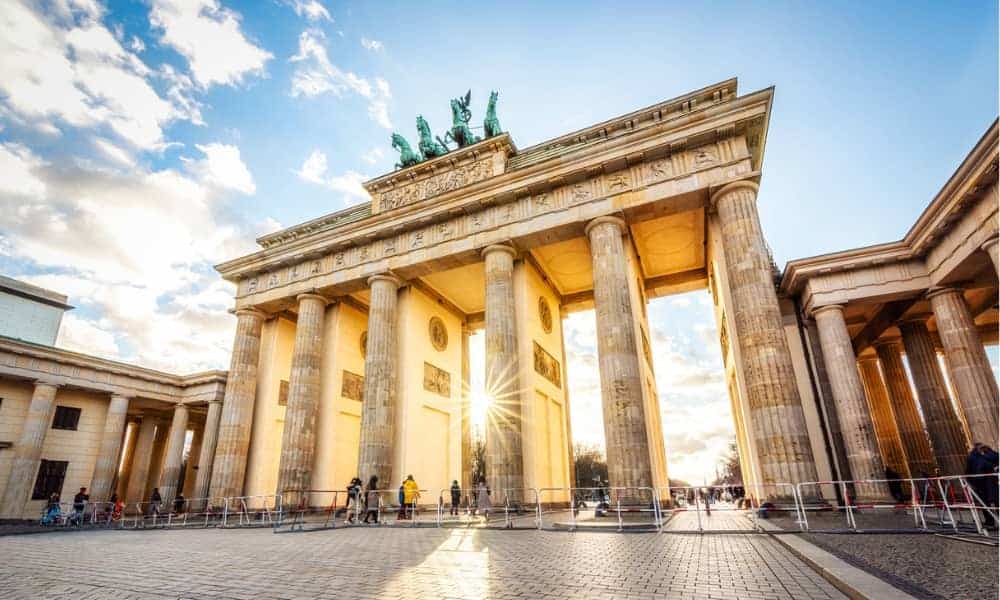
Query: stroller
[{"x": 52, "y": 516}]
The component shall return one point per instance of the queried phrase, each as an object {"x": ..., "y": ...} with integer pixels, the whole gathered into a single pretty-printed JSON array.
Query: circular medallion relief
[
  {"x": 545, "y": 314},
  {"x": 438, "y": 334},
  {"x": 364, "y": 343}
]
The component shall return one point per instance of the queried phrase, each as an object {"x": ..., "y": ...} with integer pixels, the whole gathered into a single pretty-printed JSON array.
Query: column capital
[
  {"x": 887, "y": 343},
  {"x": 920, "y": 318},
  {"x": 389, "y": 277},
  {"x": 312, "y": 295},
  {"x": 989, "y": 243},
  {"x": 940, "y": 291},
  {"x": 817, "y": 310},
  {"x": 48, "y": 383},
  {"x": 250, "y": 311},
  {"x": 620, "y": 223},
  {"x": 867, "y": 358},
  {"x": 499, "y": 248},
  {"x": 732, "y": 187}
]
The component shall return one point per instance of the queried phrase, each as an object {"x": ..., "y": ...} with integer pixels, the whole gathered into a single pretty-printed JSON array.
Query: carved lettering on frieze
[
  {"x": 547, "y": 366},
  {"x": 436, "y": 184},
  {"x": 352, "y": 386},
  {"x": 437, "y": 381}
]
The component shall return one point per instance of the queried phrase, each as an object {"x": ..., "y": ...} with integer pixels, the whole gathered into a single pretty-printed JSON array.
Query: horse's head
[
  {"x": 456, "y": 109},
  {"x": 398, "y": 141},
  {"x": 423, "y": 127},
  {"x": 493, "y": 97}
]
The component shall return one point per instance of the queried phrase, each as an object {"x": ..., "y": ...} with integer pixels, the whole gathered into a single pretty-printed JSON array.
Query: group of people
[
  {"x": 982, "y": 461},
  {"x": 366, "y": 499},
  {"x": 53, "y": 515}
]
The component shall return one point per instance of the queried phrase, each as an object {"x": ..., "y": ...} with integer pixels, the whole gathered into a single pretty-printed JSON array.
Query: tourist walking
[
  {"x": 154, "y": 502},
  {"x": 401, "y": 496},
  {"x": 79, "y": 505},
  {"x": 371, "y": 499},
  {"x": 483, "y": 504},
  {"x": 411, "y": 493},
  {"x": 456, "y": 497},
  {"x": 353, "y": 497}
]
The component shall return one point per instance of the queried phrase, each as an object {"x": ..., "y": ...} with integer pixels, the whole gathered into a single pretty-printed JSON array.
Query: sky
[{"x": 141, "y": 143}]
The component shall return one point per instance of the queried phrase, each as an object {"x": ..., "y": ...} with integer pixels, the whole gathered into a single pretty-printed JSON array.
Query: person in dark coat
[
  {"x": 456, "y": 497},
  {"x": 895, "y": 486}
]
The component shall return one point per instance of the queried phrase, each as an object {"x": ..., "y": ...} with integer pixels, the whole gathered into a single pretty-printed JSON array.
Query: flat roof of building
[{"x": 33, "y": 292}]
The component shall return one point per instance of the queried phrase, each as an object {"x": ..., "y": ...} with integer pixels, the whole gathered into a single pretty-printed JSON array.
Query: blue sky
[{"x": 143, "y": 142}]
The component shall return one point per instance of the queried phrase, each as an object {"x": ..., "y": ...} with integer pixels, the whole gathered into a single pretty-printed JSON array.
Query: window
[
  {"x": 283, "y": 393},
  {"x": 51, "y": 474},
  {"x": 66, "y": 417}
]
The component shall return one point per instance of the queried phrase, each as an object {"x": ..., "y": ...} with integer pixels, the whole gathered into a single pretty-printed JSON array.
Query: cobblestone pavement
[{"x": 401, "y": 563}]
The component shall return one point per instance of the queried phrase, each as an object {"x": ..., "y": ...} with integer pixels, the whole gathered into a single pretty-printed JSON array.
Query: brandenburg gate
[{"x": 351, "y": 355}]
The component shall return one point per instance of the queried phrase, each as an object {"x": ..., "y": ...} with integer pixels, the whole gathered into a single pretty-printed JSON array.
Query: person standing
[
  {"x": 353, "y": 493},
  {"x": 371, "y": 499},
  {"x": 411, "y": 492},
  {"x": 79, "y": 504},
  {"x": 154, "y": 502},
  {"x": 456, "y": 497},
  {"x": 483, "y": 503},
  {"x": 401, "y": 496}
]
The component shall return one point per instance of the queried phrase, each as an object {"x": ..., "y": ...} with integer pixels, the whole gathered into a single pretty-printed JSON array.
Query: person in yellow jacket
[{"x": 411, "y": 493}]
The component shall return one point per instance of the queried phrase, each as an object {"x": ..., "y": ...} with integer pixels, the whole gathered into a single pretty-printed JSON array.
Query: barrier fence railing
[
  {"x": 88, "y": 514},
  {"x": 726, "y": 508},
  {"x": 251, "y": 511},
  {"x": 521, "y": 509},
  {"x": 457, "y": 507},
  {"x": 618, "y": 508}
]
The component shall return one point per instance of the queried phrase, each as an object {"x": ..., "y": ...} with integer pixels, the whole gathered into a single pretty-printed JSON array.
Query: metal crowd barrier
[
  {"x": 726, "y": 509},
  {"x": 463, "y": 513},
  {"x": 617, "y": 508},
  {"x": 251, "y": 511}
]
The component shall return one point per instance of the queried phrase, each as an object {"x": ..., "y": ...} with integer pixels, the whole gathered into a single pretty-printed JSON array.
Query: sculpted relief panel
[
  {"x": 547, "y": 366},
  {"x": 437, "y": 381},
  {"x": 716, "y": 159}
]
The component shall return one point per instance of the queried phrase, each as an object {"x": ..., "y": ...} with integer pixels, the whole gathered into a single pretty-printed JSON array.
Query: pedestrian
[
  {"x": 401, "y": 496},
  {"x": 53, "y": 512},
  {"x": 79, "y": 504},
  {"x": 371, "y": 499},
  {"x": 154, "y": 502},
  {"x": 353, "y": 493},
  {"x": 411, "y": 493},
  {"x": 483, "y": 503},
  {"x": 894, "y": 484},
  {"x": 179, "y": 502},
  {"x": 456, "y": 497},
  {"x": 117, "y": 506}
]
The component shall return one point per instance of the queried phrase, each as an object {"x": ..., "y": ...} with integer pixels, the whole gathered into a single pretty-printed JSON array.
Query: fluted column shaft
[
  {"x": 971, "y": 374},
  {"x": 298, "y": 442},
  {"x": 111, "y": 442},
  {"x": 943, "y": 426},
  {"x": 776, "y": 417},
  {"x": 128, "y": 456},
  {"x": 849, "y": 399},
  {"x": 466, "y": 478},
  {"x": 504, "y": 454},
  {"x": 230, "y": 464},
  {"x": 378, "y": 412},
  {"x": 206, "y": 455},
  {"x": 883, "y": 418},
  {"x": 913, "y": 435},
  {"x": 174, "y": 455},
  {"x": 142, "y": 456},
  {"x": 28, "y": 451},
  {"x": 618, "y": 352}
]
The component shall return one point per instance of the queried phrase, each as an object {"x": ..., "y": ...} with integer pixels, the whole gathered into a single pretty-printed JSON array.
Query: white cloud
[
  {"x": 316, "y": 75},
  {"x": 82, "y": 335},
  {"x": 313, "y": 10},
  {"x": 54, "y": 71},
  {"x": 136, "y": 44},
  {"x": 17, "y": 163},
  {"x": 222, "y": 167},
  {"x": 114, "y": 153},
  {"x": 314, "y": 170},
  {"x": 373, "y": 156},
  {"x": 373, "y": 45},
  {"x": 209, "y": 37}
]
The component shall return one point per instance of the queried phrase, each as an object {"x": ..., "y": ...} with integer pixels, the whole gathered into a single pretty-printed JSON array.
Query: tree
[
  {"x": 731, "y": 473},
  {"x": 590, "y": 465},
  {"x": 478, "y": 460}
]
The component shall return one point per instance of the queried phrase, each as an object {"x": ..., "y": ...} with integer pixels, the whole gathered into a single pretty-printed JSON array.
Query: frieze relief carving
[
  {"x": 352, "y": 386},
  {"x": 671, "y": 167},
  {"x": 437, "y": 381},
  {"x": 436, "y": 184},
  {"x": 547, "y": 366}
]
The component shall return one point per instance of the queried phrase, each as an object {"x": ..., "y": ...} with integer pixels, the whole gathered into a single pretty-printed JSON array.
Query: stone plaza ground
[{"x": 401, "y": 563}]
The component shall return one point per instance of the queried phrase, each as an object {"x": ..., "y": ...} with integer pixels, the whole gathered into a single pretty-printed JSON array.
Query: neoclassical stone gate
[{"x": 351, "y": 354}]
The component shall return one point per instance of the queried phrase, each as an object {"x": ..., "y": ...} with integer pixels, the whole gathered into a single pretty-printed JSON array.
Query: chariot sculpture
[{"x": 460, "y": 134}]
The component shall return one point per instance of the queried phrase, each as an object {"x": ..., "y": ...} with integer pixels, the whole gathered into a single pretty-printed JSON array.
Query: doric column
[
  {"x": 849, "y": 399},
  {"x": 466, "y": 478},
  {"x": 174, "y": 455},
  {"x": 968, "y": 365},
  {"x": 206, "y": 456},
  {"x": 883, "y": 419},
  {"x": 28, "y": 451},
  {"x": 913, "y": 435},
  {"x": 990, "y": 247},
  {"x": 298, "y": 442},
  {"x": 618, "y": 352},
  {"x": 128, "y": 455},
  {"x": 776, "y": 417},
  {"x": 378, "y": 411},
  {"x": 504, "y": 454},
  {"x": 136, "y": 490},
  {"x": 570, "y": 457},
  {"x": 230, "y": 464},
  {"x": 943, "y": 426},
  {"x": 111, "y": 442}
]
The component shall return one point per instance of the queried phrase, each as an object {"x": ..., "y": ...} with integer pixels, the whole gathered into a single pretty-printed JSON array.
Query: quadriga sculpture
[{"x": 407, "y": 157}]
